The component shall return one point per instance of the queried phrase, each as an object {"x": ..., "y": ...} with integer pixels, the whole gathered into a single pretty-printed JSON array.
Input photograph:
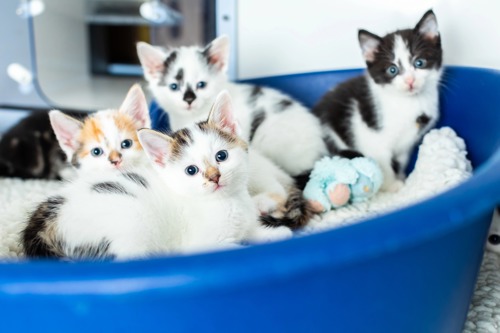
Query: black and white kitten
[
  {"x": 385, "y": 112},
  {"x": 30, "y": 149}
]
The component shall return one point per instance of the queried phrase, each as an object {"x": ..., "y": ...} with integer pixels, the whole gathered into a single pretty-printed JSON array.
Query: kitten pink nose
[
  {"x": 215, "y": 178},
  {"x": 410, "y": 80},
  {"x": 115, "y": 158}
]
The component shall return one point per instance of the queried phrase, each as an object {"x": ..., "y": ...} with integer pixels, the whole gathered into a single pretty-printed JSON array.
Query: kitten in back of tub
[
  {"x": 30, "y": 150},
  {"x": 384, "y": 113},
  {"x": 106, "y": 139},
  {"x": 194, "y": 198}
]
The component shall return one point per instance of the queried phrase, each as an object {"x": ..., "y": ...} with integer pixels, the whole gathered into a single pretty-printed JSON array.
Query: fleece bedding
[{"x": 441, "y": 164}]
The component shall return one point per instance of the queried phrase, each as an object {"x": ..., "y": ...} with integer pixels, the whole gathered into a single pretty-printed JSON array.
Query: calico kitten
[
  {"x": 384, "y": 113},
  {"x": 185, "y": 80},
  {"x": 106, "y": 139},
  {"x": 30, "y": 149},
  {"x": 195, "y": 199}
]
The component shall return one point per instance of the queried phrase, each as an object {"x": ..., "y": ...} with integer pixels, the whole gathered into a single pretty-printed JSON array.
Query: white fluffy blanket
[{"x": 441, "y": 164}]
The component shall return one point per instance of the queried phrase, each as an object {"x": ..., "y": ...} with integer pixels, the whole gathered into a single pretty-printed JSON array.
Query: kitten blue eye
[
  {"x": 392, "y": 70},
  {"x": 96, "y": 152},
  {"x": 201, "y": 85},
  {"x": 221, "y": 155},
  {"x": 420, "y": 63},
  {"x": 174, "y": 86},
  {"x": 126, "y": 144},
  {"x": 192, "y": 170}
]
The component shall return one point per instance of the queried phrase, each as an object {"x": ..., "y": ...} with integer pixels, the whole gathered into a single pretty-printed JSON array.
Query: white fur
[
  {"x": 138, "y": 225},
  {"x": 291, "y": 138}
]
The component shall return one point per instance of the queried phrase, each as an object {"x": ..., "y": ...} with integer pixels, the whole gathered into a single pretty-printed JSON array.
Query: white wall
[{"x": 282, "y": 36}]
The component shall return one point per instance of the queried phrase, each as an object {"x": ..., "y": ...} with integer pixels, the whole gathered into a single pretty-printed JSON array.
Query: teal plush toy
[{"x": 336, "y": 181}]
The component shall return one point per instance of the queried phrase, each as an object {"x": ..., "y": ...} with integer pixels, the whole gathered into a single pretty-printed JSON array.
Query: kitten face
[
  {"x": 407, "y": 61},
  {"x": 203, "y": 159},
  {"x": 188, "y": 78},
  {"x": 207, "y": 162},
  {"x": 107, "y": 139}
]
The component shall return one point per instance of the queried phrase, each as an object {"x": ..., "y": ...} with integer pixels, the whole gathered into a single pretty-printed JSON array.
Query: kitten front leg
[
  {"x": 263, "y": 234},
  {"x": 391, "y": 181}
]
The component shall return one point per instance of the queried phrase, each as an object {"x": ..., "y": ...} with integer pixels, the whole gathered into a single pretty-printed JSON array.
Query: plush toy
[{"x": 336, "y": 181}]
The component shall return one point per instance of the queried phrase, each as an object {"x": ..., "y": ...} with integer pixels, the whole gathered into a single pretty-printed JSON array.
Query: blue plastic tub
[{"x": 413, "y": 270}]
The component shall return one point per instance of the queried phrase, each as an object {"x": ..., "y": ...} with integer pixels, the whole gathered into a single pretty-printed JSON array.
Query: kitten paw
[
  {"x": 394, "y": 186},
  {"x": 267, "y": 204},
  {"x": 339, "y": 195}
]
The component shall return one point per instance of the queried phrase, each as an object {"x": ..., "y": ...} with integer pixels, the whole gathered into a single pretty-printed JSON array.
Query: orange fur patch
[
  {"x": 125, "y": 123},
  {"x": 91, "y": 130}
]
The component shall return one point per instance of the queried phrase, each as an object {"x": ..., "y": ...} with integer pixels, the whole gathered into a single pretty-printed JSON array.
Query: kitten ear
[
  {"x": 136, "y": 106},
  {"x": 427, "y": 26},
  {"x": 156, "y": 145},
  {"x": 369, "y": 44},
  {"x": 221, "y": 114},
  {"x": 217, "y": 52},
  {"x": 152, "y": 59},
  {"x": 67, "y": 130}
]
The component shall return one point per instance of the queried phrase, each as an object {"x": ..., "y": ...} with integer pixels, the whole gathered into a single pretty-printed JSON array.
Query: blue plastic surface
[{"x": 413, "y": 270}]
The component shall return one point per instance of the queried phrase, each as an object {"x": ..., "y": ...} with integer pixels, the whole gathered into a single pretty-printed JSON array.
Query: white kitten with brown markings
[
  {"x": 285, "y": 138},
  {"x": 206, "y": 164},
  {"x": 106, "y": 139},
  {"x": 196, "y": 200},
  {"x": 184, "y": 81}
]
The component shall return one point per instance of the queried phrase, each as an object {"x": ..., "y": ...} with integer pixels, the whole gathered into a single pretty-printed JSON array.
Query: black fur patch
[
  {"x": 166, "y": 67},
  {"x": 302, "y": 179},
  {"x": 350, "y": 154},
  {"x": 258, "y": 119},
  {"x": 337, "y": 106},
  {"x": 284, "y": 104},
  {"x": 255, "y": 94},
  {"x": 110, "y": 188},
  {"x": 396, "y": 167},
  {"x": 180, "y": 75},
  {"x": 34, "y": 245},
  {"x": 136, "y": 178},
  {"x": 423, "y": 120},
  {"x": 330, "y": 145},
  {"x": 99, "y": 251}
]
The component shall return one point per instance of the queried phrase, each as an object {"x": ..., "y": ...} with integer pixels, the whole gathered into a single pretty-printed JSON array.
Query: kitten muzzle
[
  {"x": 189, "y": 96},
  {"x": 115, "y": 158}
]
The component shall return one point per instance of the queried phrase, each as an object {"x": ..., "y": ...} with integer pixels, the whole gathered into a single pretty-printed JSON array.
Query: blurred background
[{"x": 81, "y": 54}]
